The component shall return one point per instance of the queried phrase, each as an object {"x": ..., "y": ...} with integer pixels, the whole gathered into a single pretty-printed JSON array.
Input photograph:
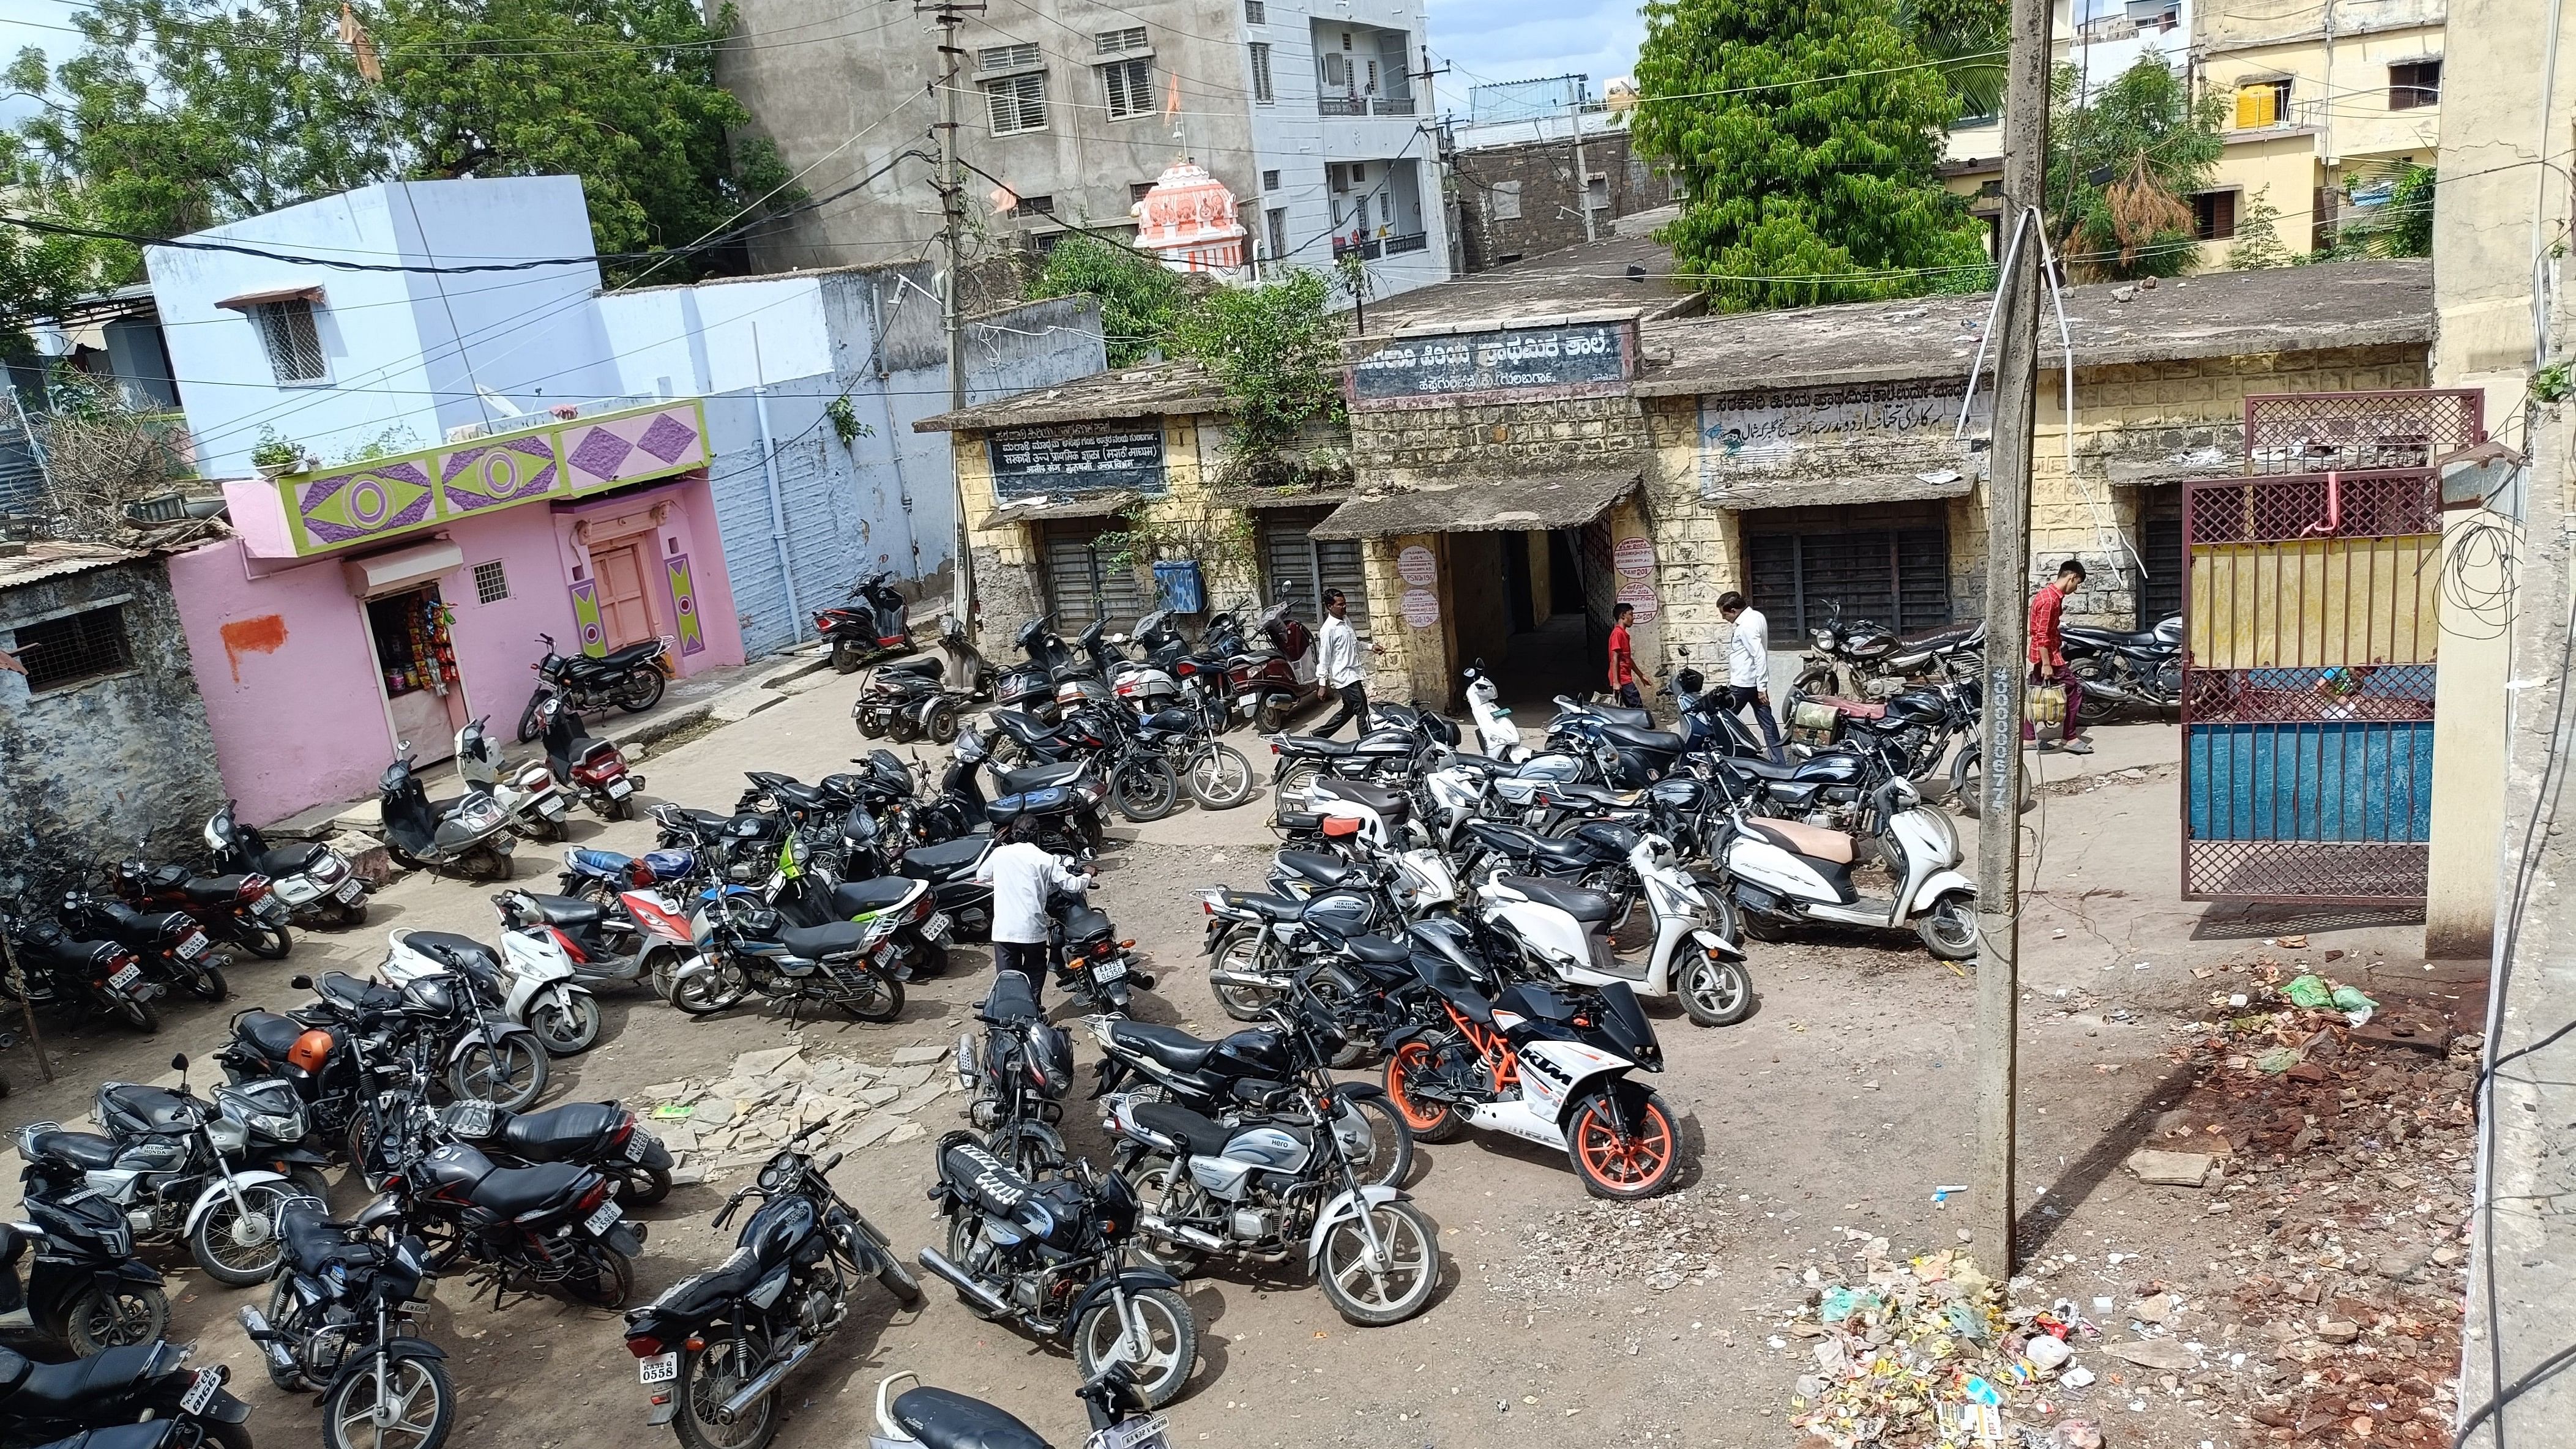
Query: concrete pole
[
  {"x": 777, "y": 499},
  {"x": 952, "y": 207},
  {"x": 1582, "y": 173},
  {"x": 2007, "y": 640}
]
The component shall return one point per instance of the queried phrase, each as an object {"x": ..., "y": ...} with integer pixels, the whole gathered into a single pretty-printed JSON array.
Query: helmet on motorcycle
[
  {"x": 310, "y": 1051},
  {"x": 1690, "y": 681}
]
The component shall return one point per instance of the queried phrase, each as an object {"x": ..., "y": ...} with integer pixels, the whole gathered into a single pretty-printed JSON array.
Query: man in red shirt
[
  {"x": 1623, "y": 663},
  {"x": 2048, "y": 651}
]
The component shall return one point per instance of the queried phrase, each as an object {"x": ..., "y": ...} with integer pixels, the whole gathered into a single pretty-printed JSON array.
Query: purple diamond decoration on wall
[
  {"x": 600, "y": 453},
  {"x": 667, "y": 438},
  {"x": 457, "y": 462}
]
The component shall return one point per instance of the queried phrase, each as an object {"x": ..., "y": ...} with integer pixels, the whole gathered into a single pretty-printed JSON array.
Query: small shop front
[{"x": 365, "y": 613}]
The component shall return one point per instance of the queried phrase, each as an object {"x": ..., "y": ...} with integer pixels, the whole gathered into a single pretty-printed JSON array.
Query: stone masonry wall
[
  {"x": 1550, "y": 196},
  {"x": 1425, "y": 447}
]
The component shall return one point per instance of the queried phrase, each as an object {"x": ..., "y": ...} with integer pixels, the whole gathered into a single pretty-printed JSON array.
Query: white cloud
[{"x": 1509, "y": 40}]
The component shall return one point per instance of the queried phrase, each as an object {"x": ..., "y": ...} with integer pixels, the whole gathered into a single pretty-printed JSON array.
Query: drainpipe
[{"x": 777, "y": 504}]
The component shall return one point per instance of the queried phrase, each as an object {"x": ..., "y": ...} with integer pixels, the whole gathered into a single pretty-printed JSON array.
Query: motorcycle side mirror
[{"x": 179, "y": 1063}]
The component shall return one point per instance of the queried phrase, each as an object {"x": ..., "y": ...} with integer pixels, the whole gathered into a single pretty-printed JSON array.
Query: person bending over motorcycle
[{"x": 1023, "y": 874}]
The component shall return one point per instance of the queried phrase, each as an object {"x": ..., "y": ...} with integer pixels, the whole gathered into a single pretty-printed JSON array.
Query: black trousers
[
  {"x": 1741, "y": 697},
  {"x": 1027, "y": 958},
  {"x": 1355, "y": 706}
]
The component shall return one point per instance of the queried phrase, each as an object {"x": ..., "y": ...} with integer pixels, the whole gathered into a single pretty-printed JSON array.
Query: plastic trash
[
  {"x": 2308, "y": 993},
  {"x": 1841, "y": 1303},
  {"x": 2355, "y": 1006},
  {"x": 2277, "y": 1060}
]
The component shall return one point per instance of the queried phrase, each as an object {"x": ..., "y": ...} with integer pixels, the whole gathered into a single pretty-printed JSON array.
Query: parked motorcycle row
[{"x": 2119, "y": 669}]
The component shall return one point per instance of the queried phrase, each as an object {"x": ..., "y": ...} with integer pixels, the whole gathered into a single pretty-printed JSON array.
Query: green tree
[
  {"x": 1807, "y": 133},
  {"x": 180, "y": 114},
  {"x": 39, "y": 275},
  {"x": 2258, "y": 236},
  {"x": 1138, "y": 295},
  {"x": 1278, "y": 354},
  {"x": 2123, "y": 165},
  {"x": 1969, "y": 38},
  {"x": 2400, "y": 226}
]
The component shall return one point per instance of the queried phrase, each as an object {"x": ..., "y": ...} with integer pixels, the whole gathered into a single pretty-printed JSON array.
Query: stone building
[
  {"x": 1512, "y": 478},
  {"x": 103, "y": 739},
  {"x": 1523, "y": 199}
]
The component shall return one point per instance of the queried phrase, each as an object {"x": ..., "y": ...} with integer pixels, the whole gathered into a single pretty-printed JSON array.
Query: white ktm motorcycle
[
  {"x": 1782, "y": 870},
  {"x": 1563, "y": 929}
]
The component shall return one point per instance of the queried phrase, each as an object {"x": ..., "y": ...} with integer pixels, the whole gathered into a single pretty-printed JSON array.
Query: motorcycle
[
  {"x": 83, "y": 1290},
  {"x": 922, "y": 698},
  {"x": 1788, "y": 871},
  {"x": 1276, "y": 678},
  {"x": 243, "y": 910},
  {"x": 878, "y": 626},
  {"x": 88, "y": 1402},
  {"x": 527, "y": 1230},
  {"x": 446, "y": 1017},
  {"x": 530, "y": 979},
  {"x": 1562, "y": 929},
  {"x": 601, "y": 1136},
  {"x": 312, "y": 878},
  {"x": 593, "y": 769},
  {"x": 344, "y": 1321},
  {"x": 631, "y": 678},
  {"x": 1050, "y": 1257},
  {"x": 2121, "y": 669},
  {"x": 716, "y": 1345},
  {"x": 1016, "y": 1076},
  {"x": 928, "y": 1418},
  {"x": 173, "y": 948},
  {"x": 746, "y": 948},
  {"x": 471, "y": 835},
  {"x": 101, "y": 977},
  {"x": 528, "y": 796}
]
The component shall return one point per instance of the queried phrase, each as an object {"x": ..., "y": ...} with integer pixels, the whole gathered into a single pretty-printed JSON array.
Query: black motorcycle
[
  {"x": 753, "y": 950},
  {"x": 60, "y": 972},
  {"x": 631, "y": 678},
  {"x": 174, "y": 949},
  {"x": 1016, "y": 1076},
  {"x": 83, "y": 1290},
  {"x": 555, "y": 1227},
  {"x": 143, "y": 1384},
  {"x": 714, "y": 1347},
  {"x": 922, "y": 1417},
  {"x": 879, "y": 625},
  {"x": 1050, "y": 1257},
  {"x": 602, "y": 1136},
  {"x": 2127, "y": 670},
  {"x": 343, "y": 1321}
]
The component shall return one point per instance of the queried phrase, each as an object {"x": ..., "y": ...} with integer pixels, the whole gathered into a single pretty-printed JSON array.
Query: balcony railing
[
  {"x": 1372, "y": 248},
  {"x": 1391, "y": 105},
  {"x": 1399, "y": 245},
  {"x": 1364, "y": 105}
]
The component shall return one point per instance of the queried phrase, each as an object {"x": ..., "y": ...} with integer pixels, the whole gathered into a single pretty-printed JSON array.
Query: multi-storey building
[{"x": 1314, "y": 113}]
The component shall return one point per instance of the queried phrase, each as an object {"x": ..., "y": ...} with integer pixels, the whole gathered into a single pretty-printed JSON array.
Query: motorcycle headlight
[{"x": 282, "y": 1129}]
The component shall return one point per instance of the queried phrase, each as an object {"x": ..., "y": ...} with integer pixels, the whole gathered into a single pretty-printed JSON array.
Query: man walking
[
  {"x": 1338, "y": 664},
  {"x": 1023, "y": 874},
  {"x": 2048, "y": 652},
  {"x": 1623, "y": 658},
  {"x": 1748, "y": 667}
]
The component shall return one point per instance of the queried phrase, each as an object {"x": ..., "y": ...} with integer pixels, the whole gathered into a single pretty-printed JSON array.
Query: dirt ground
[{"x": 1830, "y": 1118}]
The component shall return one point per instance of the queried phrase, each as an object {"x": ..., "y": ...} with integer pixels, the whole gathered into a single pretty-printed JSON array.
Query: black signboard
[
  {"x": 1570, "y": 359},
  {"x": 1076, "y": 458}
]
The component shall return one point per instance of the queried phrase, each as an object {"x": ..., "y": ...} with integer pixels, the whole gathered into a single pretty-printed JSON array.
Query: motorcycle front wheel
[
  {"x": 530, "y": 726},
  {"x": 1616, "y": 1163},
  {"x": 1145, "y": 789},
  {"x": 566, "y": 1021},
  {"x": 1220, "y": 777},
  {"x": 509, "y": 1074},
  {"x": 1715, "y": 993},
  {"x": 416, "y": 1399},
  {"x": 268, "y": 943},
  {"x": 96, "y": 1319},
  {"x": 641, "y": 689},
  {"x": 708, "y": 1377},
  {"x": 1158, "y": 1341},
  {"x": 1373, "y": 1291},
  {"x": 1949, "y": 929},
  {"x": 238, "y": 1245}
]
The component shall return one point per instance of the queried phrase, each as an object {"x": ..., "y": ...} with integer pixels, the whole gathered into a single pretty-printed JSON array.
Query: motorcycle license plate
[
  {"x": 1110, "y": 971},
  {"x": 125, "y": 976},
  {"x": 1247, "y": 705},
  {"x": 269, "y": 909},
  {"x": 661, "y": 1368},
  {"x": 936, "y": 926},
  {"x": 637, "y": 1146},
  {"x": 192, "y": 948},
  {"x": 598, "y": 1223},
  {"x": 620, "y": 789},
  {"x": 1144, "y": 1433},
  {"x": 202, "y": 1392},
  {"x": 350, "y": 890}
]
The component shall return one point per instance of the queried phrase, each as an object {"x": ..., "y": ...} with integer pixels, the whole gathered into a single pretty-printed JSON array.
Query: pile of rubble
[
  {"x": 1658, "y": 1244},
  {"x": 739, "y": 1121}
]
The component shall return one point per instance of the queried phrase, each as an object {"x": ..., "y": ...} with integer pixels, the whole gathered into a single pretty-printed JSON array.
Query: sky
[
  {"x": 1509, "y": 40},
  {"x": 21, "y": 25}
]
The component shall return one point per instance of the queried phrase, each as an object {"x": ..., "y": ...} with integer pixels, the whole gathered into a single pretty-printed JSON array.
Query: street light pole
[{"x": 948, "y": 15}]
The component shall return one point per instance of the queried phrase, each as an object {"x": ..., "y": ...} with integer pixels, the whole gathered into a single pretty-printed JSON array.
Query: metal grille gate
[{"x": 2311, "y": 612}]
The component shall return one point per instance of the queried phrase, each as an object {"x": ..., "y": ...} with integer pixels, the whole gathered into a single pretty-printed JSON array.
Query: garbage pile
[{"x": 740, "y": 1120}]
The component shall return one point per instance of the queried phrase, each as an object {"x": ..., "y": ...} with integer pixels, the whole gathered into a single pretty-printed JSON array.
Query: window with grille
[
  {"x": 1130, "y": 84},
  {"x": 1262, "y": 94},
  {"x": 2414, "y": 83},
  {"x": 1023, "y": 56},
  {"x": 1033, "y": 206},
  {"x": 1017, "y": 103},
  {"x": 1136, "y": 190},
  {"x": 1255, "y": 13},
  {"x": 65, "y": 651},
  {"x": 294, "y": 345},
  {"x": 1270, "y": 181},
  {"x": 491, "y": 585},
  {"x": 1113, "y": 42}
]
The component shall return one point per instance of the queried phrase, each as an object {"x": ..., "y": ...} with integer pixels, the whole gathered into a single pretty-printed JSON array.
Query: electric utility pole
[
  {"x": 948, "y": 15},
  {"x": 2007, "y": 636},
  {"x": 1582, "y": 173}
]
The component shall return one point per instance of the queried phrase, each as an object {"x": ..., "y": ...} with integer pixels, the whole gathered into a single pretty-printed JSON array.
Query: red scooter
[
  {"x": 1276, "y": 677},
  {"x": 592, "y": 769},
  {"x": 240, "y": 909}
]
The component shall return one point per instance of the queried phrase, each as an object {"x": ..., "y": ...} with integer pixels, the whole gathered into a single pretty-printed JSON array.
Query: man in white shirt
[
  {"x": 1748, "y": 667},
  {"x": 1338, "y": 665},
  {"x": 1023, "y": 874}
]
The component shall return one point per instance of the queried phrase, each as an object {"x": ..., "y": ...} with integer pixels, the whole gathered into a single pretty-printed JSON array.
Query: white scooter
[
  {"x": 1495, "y": 734},
  {"x": 531, "y": 975},
  {"x": 1784, "y": 870},
  {"x": 535, "y": 805},
  {"x": 1562, "y": 928}
]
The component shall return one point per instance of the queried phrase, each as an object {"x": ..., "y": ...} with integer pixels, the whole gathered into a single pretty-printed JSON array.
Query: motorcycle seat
[
  {"x": 568, "y": 912},
  {"x": 1799, "y": 838},
  {"x": 1377, "y": 950},
  {"x": 1393, "y": 806},
  {"x": 1027, "y": 802},
  {"x": 1551, "y": 852},
  {"x": 148, "y": 1108},
  {"x": 1010, "y": 1001},
  {"x": 1169, "y": 1045},
  {"x": 342, "y": 989},
  {"x": 1849, "y": 708},
  {"x": 289, "y": 859},
  {"x": 929, "y": 665},
  {"x": 699, "y": 1294},
  {"x": 705, "y": 822},
  {"x": 618, "y": 661},
  {"x": 1588, "y": 907},
  {"x": 867, "y": 897},
  {"x": 1083, "y": 923},
  {"x": 942, "y": 1419},
  {"x": 1761, "y": 769},
  {"x": 150, "y": 1434},
  {"x": 57, "y": 1390},
  {"x": 461, "y": 954},
  {"x": 1197, "y": 1135},
  {"x": 1314, "y": 865},
  {"x": 1577, "y": 792},
  {"x": 518, "y": 1191},
  {"x": 272, "y": 1034},
  {"x": 85, "y": 1150},
  {"x": 2113, "y": 638},
  {"x": 799, "y": 796},
  {"x": 1620, "y": 715},
  {"x": 313, "y": 1242},
  {"x": 1272, "y": 908},
  {"x": 549, "y": 1135},
  {"x": 214, "y": 889},
  {"x": 1642, "y": 738},
  {"x": 947, "y": 858},
  {"x": 1946, "y": 637},
  {"x": 1313, "y": 747},
  {"x": 1037, "y": 777},
  {"x": 836, "y": 938}
]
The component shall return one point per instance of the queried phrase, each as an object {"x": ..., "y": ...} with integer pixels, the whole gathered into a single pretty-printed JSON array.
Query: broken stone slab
[
  {"x": 906, "y": 1078},
  {"x": 2165, "y": 1354},
  {"x": 687, "y": 1176},
  {"x": 920, "y": 1097},
  {"x": 714, "y": 1112},
  {"x": 913, "y": 1056},
  {"x": 877, "y": 1096},
  {"x": 870, "y": 1132},
  {"x": 908, "y": 1132},
  {"x": 2170, "y": 1169},
  {"x": 677, "y": 1138},
  {"x": 755, "y": 1065}
]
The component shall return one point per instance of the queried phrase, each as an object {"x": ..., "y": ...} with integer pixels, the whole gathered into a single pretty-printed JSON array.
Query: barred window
[
  {"x": 1023, "y": 56},
  {"x": 1114, "y": 41},
  {"x": 1262, "y": 94},
  {"x": 491, "y": 585},
  {"x": 73, "y": 648},
  {"x": 1018, "y": 103},
  {"x": 1130, "y": 84},
  {"x": 1255, "y": 12},
  {"x": 294, "y": 346}
]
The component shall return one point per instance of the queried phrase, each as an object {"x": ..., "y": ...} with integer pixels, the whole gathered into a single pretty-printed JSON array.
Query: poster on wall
[
  {"x": 1634, "y": 557},
  {"x": 1076, "y": 458},
  {"x": 1420, "y": 607},
  {"x": 1416, "y": 566},
  {"x": 1639, "y": 594},
  {"x": 1569, "y": 359}
]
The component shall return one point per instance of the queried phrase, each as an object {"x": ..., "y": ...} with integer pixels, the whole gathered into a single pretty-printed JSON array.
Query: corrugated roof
[{"x": 48, "y": 559}]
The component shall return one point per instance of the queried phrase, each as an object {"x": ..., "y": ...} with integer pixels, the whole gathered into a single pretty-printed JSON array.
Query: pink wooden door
[{"x": 623, "y": 609}]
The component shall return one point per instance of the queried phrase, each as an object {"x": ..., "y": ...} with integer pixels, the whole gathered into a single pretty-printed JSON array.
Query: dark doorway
[
  {"x": 1516, "y": 582},
  {"x": 1564, "y": 580},
  {"x": 2160, "y": 549}
]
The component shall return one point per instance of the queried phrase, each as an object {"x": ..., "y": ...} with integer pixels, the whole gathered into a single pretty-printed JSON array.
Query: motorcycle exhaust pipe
[
  {"x": 767, "y": 1379},
  {"x": 959, "y": 1279},
  {"x": 1160, "y": 1227},
  {"x": 1245, "y": 978},
  {"x": 260, "y": 1333}
]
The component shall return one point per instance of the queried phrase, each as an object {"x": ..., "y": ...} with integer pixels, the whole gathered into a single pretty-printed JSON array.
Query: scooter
[
  {"x": 1277, "y": 678},
  {"x": 470, "y": 836},
  {"x": 631, "y": 678},
  {"x": 312, "y": 879},
  {"x": 592, "y": 768},
  {"x": 1147, "y": 684},
  {"x": 528, "y": 796},
  {"x": 1495, "y": 733},
  {"x": 607, "y": 943},
  {"x": 1789, "y": 871},
  {"x": 1561, "y": 928},
  {"x": 529, "y": 978},
  {"x": 84, "y": 1290},
  {"x": 879, "y": 626}
]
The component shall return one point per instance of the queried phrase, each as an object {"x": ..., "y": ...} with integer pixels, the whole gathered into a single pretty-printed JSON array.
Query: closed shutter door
[
  {"x": 1084, "y": 587},
  {"x": 1307, "y": 567},
  {"x": 1897, "y": 577},
  {"x": 2160, "y": 549}
]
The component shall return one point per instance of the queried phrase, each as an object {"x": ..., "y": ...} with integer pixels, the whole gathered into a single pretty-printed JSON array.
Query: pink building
[{"x": 365, "y": 606}]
